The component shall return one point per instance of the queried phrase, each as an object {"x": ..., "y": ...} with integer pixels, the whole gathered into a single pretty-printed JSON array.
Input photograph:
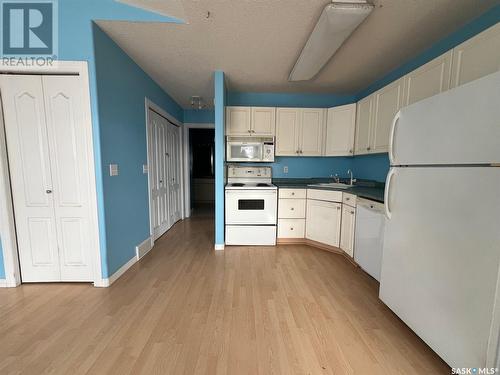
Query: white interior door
[
  {"x": 164, "y": 169},
  {"x": 157, "y": 181},
  {"x": 46, "y": 140}
]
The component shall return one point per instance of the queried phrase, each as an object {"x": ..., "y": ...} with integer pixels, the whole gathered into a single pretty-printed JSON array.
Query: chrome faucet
[{"x": 351, "y": 179}]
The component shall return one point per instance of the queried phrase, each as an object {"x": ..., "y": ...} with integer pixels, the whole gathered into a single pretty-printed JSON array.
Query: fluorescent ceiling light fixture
[{"x": 335, "y": 25}]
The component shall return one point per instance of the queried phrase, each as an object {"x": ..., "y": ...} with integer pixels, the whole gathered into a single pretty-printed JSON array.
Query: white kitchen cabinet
[
  {"x": 300, "y": 131},
  {"x": 291, "y": 228},
  {"x": 428, "y": 80},
  {"x": 387, "y": 102},
  {"x": 263, "y": 121},
  {"x": 238, "y": 120},
  {"x": 323, "y": 222},
  {"x": 347, "y": 229},
  {"x": 250, "y": 121},
  {"x": 292, "y": 208},
  {"x": 364, "y": 119},
  {"x": 311, "y": 140},
  {"x": 287, "y": 131},
  {"x": 476, "y": 57},
  {"x": 340, "y": 127}
]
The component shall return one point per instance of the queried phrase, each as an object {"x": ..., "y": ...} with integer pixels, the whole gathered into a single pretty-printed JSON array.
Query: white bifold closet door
[
  {"x": 164, "y": 170},
  {"x": 49, "y": 166}
]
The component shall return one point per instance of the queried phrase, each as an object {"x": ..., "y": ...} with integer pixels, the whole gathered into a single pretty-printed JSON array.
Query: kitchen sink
[{"x": 333, "y": 185}]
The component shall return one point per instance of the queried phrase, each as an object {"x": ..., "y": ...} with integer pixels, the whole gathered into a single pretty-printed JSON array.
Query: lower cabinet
[
  {"x": 291, "y": 228},
  {"x": 347, "y": 229},
  {"x": 323, "y": 222}
]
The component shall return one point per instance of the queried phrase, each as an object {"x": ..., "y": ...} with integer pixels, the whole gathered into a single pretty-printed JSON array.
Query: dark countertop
[{"x": 363, "y": 188}]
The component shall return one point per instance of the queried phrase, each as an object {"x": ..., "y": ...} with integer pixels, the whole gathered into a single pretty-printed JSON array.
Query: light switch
[
  {"x": 145, "y": 169},
  {"x": 285, "y": 169},
  {"x": 113, "y": 169}
]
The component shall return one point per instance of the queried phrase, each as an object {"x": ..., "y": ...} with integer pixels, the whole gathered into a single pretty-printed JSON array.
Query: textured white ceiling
[{"x": 256, "y": 42}]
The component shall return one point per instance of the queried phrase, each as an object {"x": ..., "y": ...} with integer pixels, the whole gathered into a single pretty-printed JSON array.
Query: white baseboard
[
  {"x": 219, "y": 246},
  {"x": 4, "y": 283},
  {"x": 104, "y": 283},
  {"x": 143, "y": 248}
]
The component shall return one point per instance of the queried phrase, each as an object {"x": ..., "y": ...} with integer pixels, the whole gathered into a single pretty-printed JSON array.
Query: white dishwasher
[{"x": 369, "y": 236}]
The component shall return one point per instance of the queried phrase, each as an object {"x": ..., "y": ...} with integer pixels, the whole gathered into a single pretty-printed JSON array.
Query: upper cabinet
[
  {"x": 428, "y": 80},
  {"x": 364, "y": 120},
  {"x": 340, "y": 128},
  {"x": 300, "y": 131},
  {"x": 250, "y": 121},
  {"x": 476, "y": 57},
  {"x": 388, "y": 102},
  {"x": 374, "y": 118}
]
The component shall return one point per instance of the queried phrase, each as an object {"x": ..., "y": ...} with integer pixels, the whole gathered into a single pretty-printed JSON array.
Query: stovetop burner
[
  {"x": 237, "y": 184},
  {"x": 263, "y": 185}
]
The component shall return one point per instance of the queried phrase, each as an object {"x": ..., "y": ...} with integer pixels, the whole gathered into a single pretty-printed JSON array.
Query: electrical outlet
[
  {"x": 285, "y": 169},
  {"x": 145, "y": 169}
]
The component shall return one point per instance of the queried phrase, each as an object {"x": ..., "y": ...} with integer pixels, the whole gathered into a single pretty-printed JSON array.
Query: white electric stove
[{"x": 251, "y": 206}]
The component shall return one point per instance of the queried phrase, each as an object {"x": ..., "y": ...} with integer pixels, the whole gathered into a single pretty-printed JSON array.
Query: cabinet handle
[
  {"x": 338, "y": 208},
  {"x": 297, "y": 152},
  {"x": 368, "y": 148},
  {"x": 292, "y": 208},
  {"x": 350, "y": 151},
  {"x": 352, "y": 212},
  {"x": 291, "y": 228},
  {"x": 293, "y": 193},
  {"x": 48, "y": 191},
  {"x": 347, "y": 199}
]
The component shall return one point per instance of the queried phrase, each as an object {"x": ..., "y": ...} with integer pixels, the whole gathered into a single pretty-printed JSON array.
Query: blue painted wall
[
  {"x": 203, "y": 116},
  {"x": 122, "y": 87},
  {"x": 220, "y": 103},
  {"x": 371, "y": 167},
  {"x": 288, "y": 100}
]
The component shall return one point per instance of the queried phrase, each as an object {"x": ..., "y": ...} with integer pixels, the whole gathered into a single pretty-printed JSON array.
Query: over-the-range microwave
[{"x": 250, "y": 149}]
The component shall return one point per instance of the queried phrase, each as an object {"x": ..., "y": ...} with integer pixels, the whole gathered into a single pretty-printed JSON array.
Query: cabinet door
[
  {"x": 347, "y": 229},
  {"x": 287, "y": 130},
  {"x": 388, "y": 101},
  {"x": 428, "y": 80},
  {"x": 476, "y": 57},
  {"x": 311, "y": 141},
  {"x": 238, "y": 120},
  {"x": 323, "y": 222},
  {"x": 363, "y": 125},
  {"x": 263, "y": 121},
  {"x": 340, "y": 125}
]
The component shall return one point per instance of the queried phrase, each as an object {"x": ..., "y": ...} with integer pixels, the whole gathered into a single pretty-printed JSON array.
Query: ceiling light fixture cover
[{"x": 336, "y": 23}]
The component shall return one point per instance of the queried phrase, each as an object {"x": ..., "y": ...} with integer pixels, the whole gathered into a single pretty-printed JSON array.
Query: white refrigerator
[{"x": 440, "y": 267}]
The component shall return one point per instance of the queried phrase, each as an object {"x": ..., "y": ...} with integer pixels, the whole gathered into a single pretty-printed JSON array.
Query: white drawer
[
  {"x": 291, "y": 228},
  {"x": 292, "y": 193},
  {"x": 325, "y": 195},
  {"x": 291, "y": 208},
  {"x": 349, "y": 199}
]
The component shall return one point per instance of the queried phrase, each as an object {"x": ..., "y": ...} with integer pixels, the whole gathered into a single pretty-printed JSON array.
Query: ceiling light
[{"x": 336, "y": 23}]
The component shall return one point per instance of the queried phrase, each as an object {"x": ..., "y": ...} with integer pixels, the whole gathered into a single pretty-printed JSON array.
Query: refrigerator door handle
[
  {"x": 391, "y": 136},
  {"x": 387, "y": 193}
]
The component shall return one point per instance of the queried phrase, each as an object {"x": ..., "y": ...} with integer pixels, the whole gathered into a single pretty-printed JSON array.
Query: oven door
[
  {"x": 243, "y": 151},
  {"x": 251, "y": 207}
]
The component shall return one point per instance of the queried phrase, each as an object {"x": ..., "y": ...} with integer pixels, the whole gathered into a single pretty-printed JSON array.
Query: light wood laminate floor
[{"x": 185, "y": 309}]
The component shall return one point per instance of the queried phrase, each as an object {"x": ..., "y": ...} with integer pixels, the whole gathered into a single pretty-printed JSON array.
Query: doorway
[
  {"x": 202, "y": 172},
  {"x": 48, "y": 178}
]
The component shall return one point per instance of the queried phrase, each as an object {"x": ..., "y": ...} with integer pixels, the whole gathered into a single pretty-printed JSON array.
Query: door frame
[
  {"x": 7, "y": 221},
  {"x": 150, "y": 105},
  {"x": 185, "y": 158}
]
